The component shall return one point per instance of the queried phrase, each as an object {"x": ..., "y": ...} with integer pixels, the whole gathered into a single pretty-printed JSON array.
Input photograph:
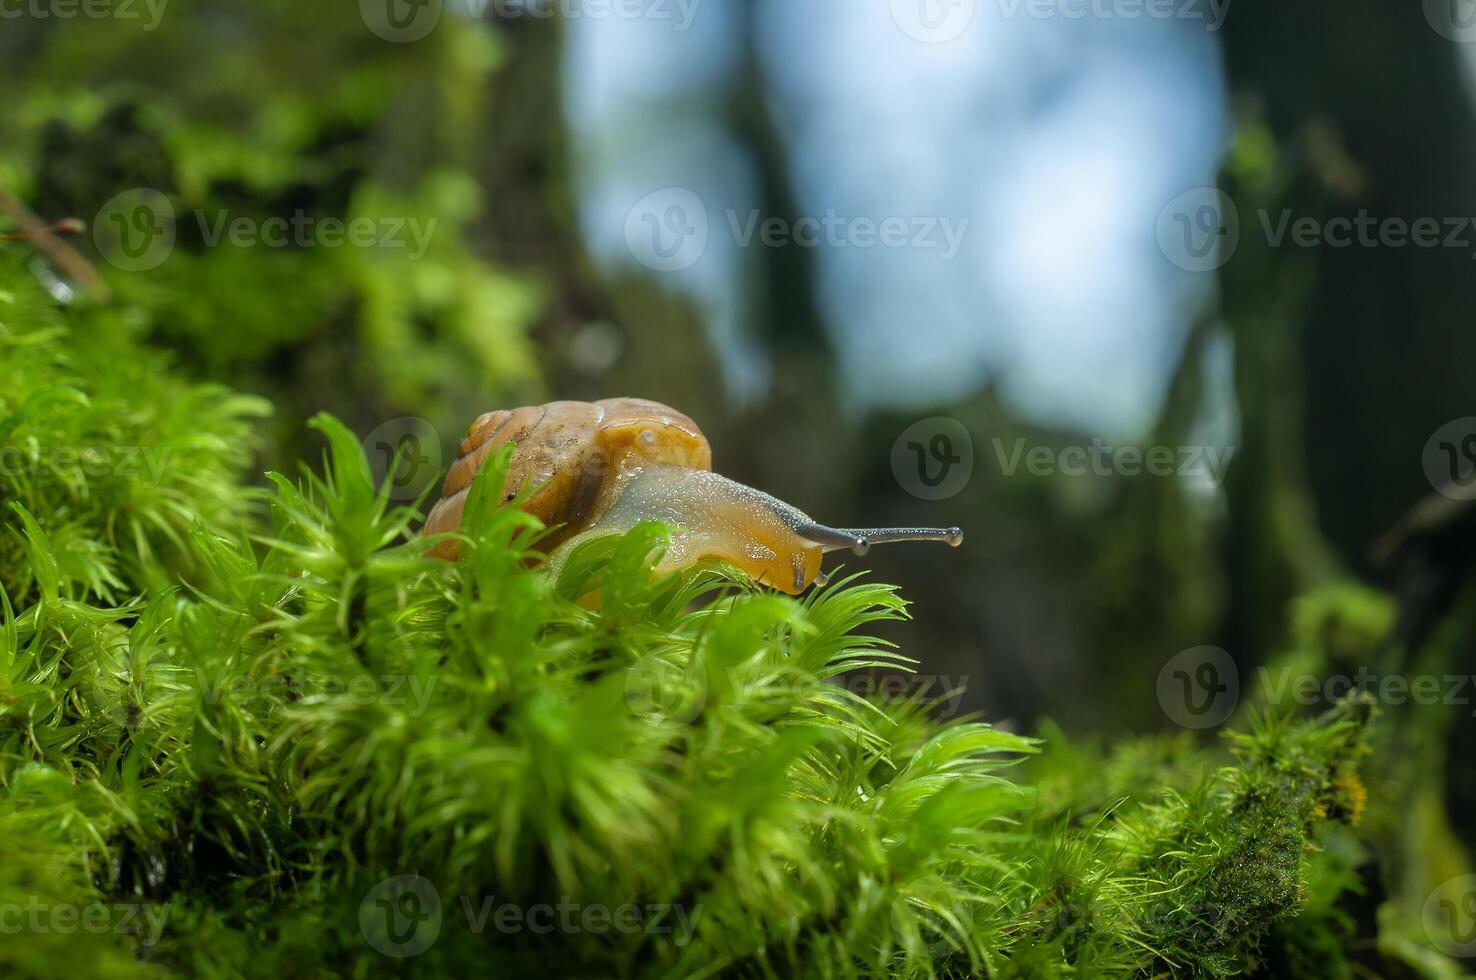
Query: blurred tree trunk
[
  {"x": 1274, "y": 546},
  {"x": 1374, "y": 106},
  {"x": 664, "y": 348}
]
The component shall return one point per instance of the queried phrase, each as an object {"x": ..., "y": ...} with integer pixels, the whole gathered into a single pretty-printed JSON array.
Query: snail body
[{"x": 603, "y": 467}]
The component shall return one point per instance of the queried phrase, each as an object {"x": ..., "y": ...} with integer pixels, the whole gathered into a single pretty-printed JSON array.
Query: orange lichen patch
[{"x": 1354, "y": 794}]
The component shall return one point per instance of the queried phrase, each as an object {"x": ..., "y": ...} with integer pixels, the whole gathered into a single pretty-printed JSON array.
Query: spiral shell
[{"x": 567, "y": 453}]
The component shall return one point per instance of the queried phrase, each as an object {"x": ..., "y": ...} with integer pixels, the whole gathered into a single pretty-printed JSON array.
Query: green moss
[{"x": 267, "y": 720}]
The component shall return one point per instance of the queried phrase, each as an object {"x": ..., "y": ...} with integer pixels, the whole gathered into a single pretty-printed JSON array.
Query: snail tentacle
[{"x": 860, "y": 540}]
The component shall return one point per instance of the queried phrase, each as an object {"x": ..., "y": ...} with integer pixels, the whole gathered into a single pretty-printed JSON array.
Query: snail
[{"x": 603, "y": 467}]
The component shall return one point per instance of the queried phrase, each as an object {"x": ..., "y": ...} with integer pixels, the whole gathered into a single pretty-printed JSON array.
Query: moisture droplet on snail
[{"x": 603, "y": 467}]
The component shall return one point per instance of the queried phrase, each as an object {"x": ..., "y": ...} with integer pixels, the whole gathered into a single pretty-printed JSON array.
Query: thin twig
[{"x": 62, "y": 255}]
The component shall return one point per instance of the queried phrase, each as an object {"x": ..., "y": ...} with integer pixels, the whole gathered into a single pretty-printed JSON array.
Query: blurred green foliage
[{"x": 295, "y": 113}]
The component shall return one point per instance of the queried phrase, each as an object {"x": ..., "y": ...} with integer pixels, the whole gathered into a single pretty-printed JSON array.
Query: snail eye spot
[{"x": 648, "y": 437}]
